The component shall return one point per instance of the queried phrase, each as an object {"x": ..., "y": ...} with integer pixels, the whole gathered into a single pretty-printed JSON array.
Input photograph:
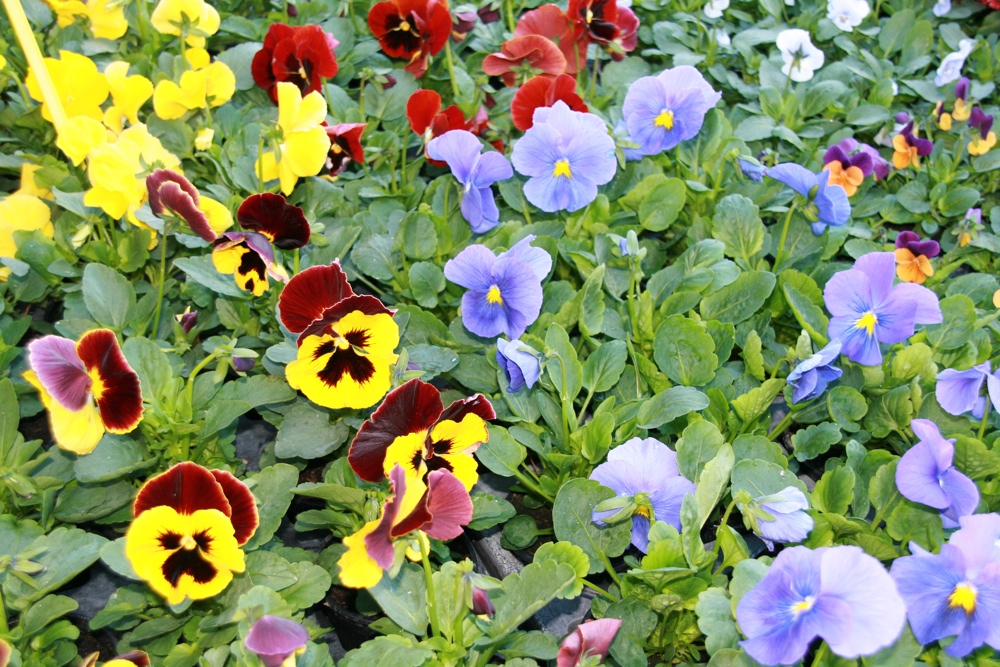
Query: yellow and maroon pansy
[
  {"x": 440, "y": 508},
  {"x": 130, "y": 659},
  {"x": 189, "y": 525},
  {"x": 413, "y": 429},
  {"x": 310, "y": 293},
  {"x": 283, "y": 224},
  {"x": 87, "y": 387}
]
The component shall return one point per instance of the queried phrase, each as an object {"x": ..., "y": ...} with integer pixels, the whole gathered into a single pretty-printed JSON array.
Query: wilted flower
[
  {"x": 187, "y": 319},
  {"x": 959, "y": 392},
  {"x": 411, "y": 30},
  {"x": 909, "y": 148},
  {"x": 983, "y": 139},
  {"x": 413, "y": 429},
  {"x": 926, "y": 475},
  {"x": 505, "y": 291},
  {"x": 801, "y": 58},
  {"x": 304, "y": 142},
  {"x": 274, "y": 639},
  {"x": 812, "y": 375},
  {"x": 526, "y": 55},
  {"x": 713, "y": 8},
  {"x": 590, "y": 638},
  {"x": 913, "y": 257},
  {"x": 648, "y": 487},
  {"x": 481, "y": 604},
  {"x": 200, "y": 19},
  {"x": 345, "y": 146},
  {"x": 476, "y": 172},
  {"x": 189, "y": 525},
  {"x": 172, "y": 195},
  {"x": 832, "y": 206},
  {"x": 957, "y": 591},
  {"x": 847, "y": 14},
  {"x": 840, "y": 594},
  {"x": 778, "y": 517},
  {"x": 951, "y": 66},
  {"x": 303, "y": 55},
  {"x": 520, "y": 364},
  {"x": 662, "y": 111},
  {"x": 543, "y": 91},
  {"x": 87, "y": 388}
]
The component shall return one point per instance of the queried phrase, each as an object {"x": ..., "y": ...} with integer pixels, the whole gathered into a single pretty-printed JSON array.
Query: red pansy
[
  {"x": 598, "y": 18},
  {"x": 411, "y": 30},
  {"x": 120, "y": 397},
  {"x": 534, "y": 52},
  {"x": 543, "y": 91},
  {"x": 303, "y": 55},
  {"x": 345, "y": 146},
  {"x": 627, "y": 38},
  {"x": 427, "y": 119},
  {"x": 310, "y": 293},
  {"x": 550, "y": 22},
  {"x": 283, "y": 224}
]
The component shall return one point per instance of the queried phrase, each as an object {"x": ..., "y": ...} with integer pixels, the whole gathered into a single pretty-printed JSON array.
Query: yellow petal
[
  {"x": 219, "y": 217},
  {"x": 77, "y": 432},
  {"x": 29, "y": 185},
  {"x": 407, "y": 451},
  {"x": 22, "y": 213},
  {"x": 80, "y": 135},
  {"x": 220, "y": 83},
  {"x": 107, "y": 21},
  {"x": 198, "y": 58},
  {"x": 81, "y": 88},
  {"x": 357, "y": 568}
]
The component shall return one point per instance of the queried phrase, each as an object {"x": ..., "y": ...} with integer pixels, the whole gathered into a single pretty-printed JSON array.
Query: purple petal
[
  {"x": 848, "y": 294},
  {"x": 492, "y": 167},
  {"x": 650, "y": 456},
  {"x": 804, "y": 385},
  {"x": 619, "y": 476},
  {"x": 667, "y": 500},
  {"x": 537, "y": 258},
  {"x": 917, "y": 477},
  {"x": 928, "y": 308},
  {"x": 460, "y": 149},
  {"x": 536, "y": 153},
  {"x": 925, "y": 582},
  {"x": 858, "y": 346},
  {"x": 977, "y": 540},
  {"x": 928, "y": 432},
  {"x": 686, "y": 76},
  {"x": 472, "y": 210},
  {"x": 880, "y": 267},
  {"x": 793, "y": 527},
  {"x": 491, "y": 214},
  {"x": 640, "y": 532},
  {"x": 60, "y": 370},
  {"x": 832, "y": 202},
  {"x": 836, "y": 153},
  {"x": 521, "y": 292},
  {"x": 895, "y": 318},
  {"x": 864, "y": 162},
  {"x": 963, "y": 494},
  {"x": 472, "y": 268},
  {"x": 274, "y": 638},
  {"x": 993, "y": 387},
  {"x": 795, "y": 176},
  {"x": 557, "y": 193},
  {"x": 481, "y": 317}
]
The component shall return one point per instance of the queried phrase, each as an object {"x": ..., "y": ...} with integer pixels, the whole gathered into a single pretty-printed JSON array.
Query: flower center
[
  {"x": 562, "y": 169},
  {"x": 404, "y": 26},
  {"x": 188, "y": 543},
  {"x": 665, "y": 120},
  {"x": 963, "y": 597},
  {"x": 96, "y": 384},
  {"x": 493, "y": 296},
  {"x": 804, "y": 606},
  {"x": 867, "y": 322},
  {"x": 590, "y": 15}
]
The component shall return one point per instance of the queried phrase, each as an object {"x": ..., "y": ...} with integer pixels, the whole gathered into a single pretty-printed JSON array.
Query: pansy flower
[
  {"x": 21, "y": 212},
  {"x": 832, "y": 206},
  {"x": 87, "y": 387},
  {"x": 505, "y": 291},
  {"x": 941, "y": 117},
  {"x": 543, "y": 91},
  {"x": 550, "y": 22},
  {"x": 778, "y": 517},
  {"x": 172, "y": 196},
  {"x": 959, "y": 392},
  {"x": 249, "y": 255},
  {"x": 970, "y": 227},
  {"x": 210, "y": 86},
  {"x": 566, "y": 155},
  {"x": 128, "y": 94},
  {"x": 908, "y": 148},
  {"x": 130, "y": 659},
  {"x": 523, "y": 57},
  {"x": 302, "y": 55},
  {"x": 274, "y": 639},
  {"x": 628, "y": 34},
  {"x": 983, "y": 139},
  {"x": 800, "y": 56},
  {"x": 840, "y": 594},
  {"x": 413, "y": 429},
  {"x": 589, "y": 642},
  {"x": 913, "y": 257},
  {"x": 345, "y": 146},
  {"x": 955, "y": 593},
  {"x": 476, "y": 172},
  {"x": 439, "y": 508},
  {"x": 304, "y": 144},
  {"x": 849, "y": 163},
  {"x": 868, "y": 309},
  {"x": 847, "y": 14},
  {"x": 189, "y": 524},
  {"x": 346, "y": 341},
  {"x": 411, "y": 30},
  {"x": 200, "y": 20},
  {"x": 464, "y": 22},
  {"x": 648, "y": 487},
  {"x": 663, "y": 110},
  {"x": 598, "y": 19},
  {"x": 82, "y": 89},
  {"x": 429, "y": 120},
  {"x": 811, "y": 376},
  {"x": 951, "y": 65},
  {"x": 926, "y": 474},
  {"x": 961, "y": 110},
  {"x": 520, "y": 364}
]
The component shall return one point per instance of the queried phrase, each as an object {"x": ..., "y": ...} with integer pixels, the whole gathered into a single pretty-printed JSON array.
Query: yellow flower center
[
  {"x": 867, "y": 322},
  {"x": 562, "y": 169},
  {"x": 642, "y": 510},
  {"x": 804, "y": 606},
  {"x": 188, "y": 543},
  {"x": 963, "y": 597},
  {"x": 590, "y": 15},
  {"x": 404, "y": 26},
  {"x": 493, "y": 296},
  {"x": 337, "y": 150},
  {"x": 665, "y": 120},
  {"x": 96, "y": 384}
]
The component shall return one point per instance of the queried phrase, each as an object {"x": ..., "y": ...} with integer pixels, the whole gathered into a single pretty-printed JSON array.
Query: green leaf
[
  {"x": 758, "y": 447},
  {"x": 115, "y": 456},
  {"x": 903, "y": 653},
  {"x": 763, "y": 478},
  {"x": 417, "y": 236},
  {"x": 913, "y": 360},
  {"x": 570, "y": 554},
  {"x": 9, "y": 418},
  {"x": 700, "y": 442},
  {"x": 202, "y": 271},
  {"x": 150, "y": 363},
  {"x": 753, "y": 360},
  {"x": 310, "y": 587},
  {"x": 657, "y": 200},
  {"x": 63, "y": 554},
  {"x": 388, "y": 651},
  {"x": 809, "y": 316},
  {"x": 817, "y": 439},
  {"x": 834, "y": 491},
  {"x": 238, "y": 58},
  {"x": 257, "y": 390},
  {"x": 44, "y": 612},
  {"x": 308, "y": 434},
  {"x": 755, "y": 402},
  {"x": 572, "y": 519},
  {"x": 882, "y": 490},
  {"x": 737, "y": 223},
  {"x": 957, "y": 201},
  {"x": 712, "y": 483},
  {"x": 684, "y": 351},
  {"x": 670, "y": 404},
  {"x": 527, "y": 591},
  {"x": 740, "y": 299},
  {"x": 605, "y": 366},
  {"x": 974, "y": 459},
  {"x": 489, "y": 511},
  {"x": 272, "y": 487},
  {"x": 426, "y": 282},
  {"x": 592, "y": 302},
  {"x": 694, "y": 549},
  {"x": 109, "y": 296},
  {"x": 715, "y": 620},
  {"x": 404, "y": 598},
  {"x": 564, "y": 369},
  {"x": 910, "y": 522},
  {"x": 501, "y": 453},
  {"x": 452, "y": 590},
  {"x": 734, "y": 547},
  {"x": 958, "y": 325}
]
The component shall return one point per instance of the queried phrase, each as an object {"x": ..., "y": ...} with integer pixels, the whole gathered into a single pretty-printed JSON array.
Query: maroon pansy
[
  {"x": 171, "y": 192},
  {"x": 303, "y": 55},
  {"x": 310, "y": 294},
  {"x": 597, "y": 18},
  {"x": 345, "y": 146},
  {"x": 283, "y": 224}
]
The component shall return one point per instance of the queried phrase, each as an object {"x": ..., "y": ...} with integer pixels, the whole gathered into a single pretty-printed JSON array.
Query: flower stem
[
  {"x": 784, "y": 235},
  {"x": 425, "y": 559},
  {"x": 162, "y": 281},
  {"x": 722, "y": 524},
  {"x": 26, "y": 38},
  {"x": 600, "y": 591},
  {"x": 451, "y": 70},
  {"x": 780, "y": 428},
  {"x": 531, "y": 486},
  {"x": 986, "y": 418},
  {"x": 611, "y": 570},
  {"x": 509, "y": 6}
]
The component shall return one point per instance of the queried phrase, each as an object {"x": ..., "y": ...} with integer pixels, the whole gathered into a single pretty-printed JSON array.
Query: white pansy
[
  {"x": 801, "y": 58},
  {"x": 951, "y": 67},
  {"x": 722, "y": 38},
  {"x": 847, "y": 14},
  {"x": 941, "y": 7},
  {"x": 714, "y": 8}
]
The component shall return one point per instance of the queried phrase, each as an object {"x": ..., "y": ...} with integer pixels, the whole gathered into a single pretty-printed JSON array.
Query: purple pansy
[
  {"x": 833, "y": 207},
  {"x": 911, "y": 241},
  {"x": 753, "y": 169},
  {"x": 926, "y": 475},
  {"x": 662, "y": 111},
  {"x": 566, "y": 154},
  {"x": 924, "y": 146},
  {"x": 646, "y": 472},
  {"x": 505, "y": 291},
  {"x": 812, "y": 375},
  {"x": 779, "y": 517},
  {"x": 981, "y": 121},
  {"x": 476, "y": 171},
  {"x": 959, "y": 392},
  {"x": 520, "y": 364},
  {"x": 847, "y": 154},
  {"x": 274, "y": 638},
  {"x": 868, "y": 309},
  {"x": 957, "y": 591},
  {"x": 840, "y": 594}
]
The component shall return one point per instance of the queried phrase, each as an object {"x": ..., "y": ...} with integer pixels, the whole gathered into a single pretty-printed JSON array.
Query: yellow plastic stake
[{"x": 26, "y": 38}]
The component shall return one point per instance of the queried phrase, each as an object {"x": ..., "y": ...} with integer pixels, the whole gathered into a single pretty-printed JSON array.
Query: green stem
[
  {"x": 986, "y": 418},
  {"x": 162, "y": 281},
  {"x": 610, "y": 569},
  {"x": 197, "y": 369},
  {"x": 784, "y": 235},
  {"x": 593, "y": 76},
  {"x": 4, "y": 627},
  {"x": 722, "y": 524},
  {"x": 600, "y": 591},
  {"x": 780, "y": 428},
  {"x": 509, "y": 6},
  {"x": 451, "y": 70},
  {"x": 531, "y": 486},
  {"x": 402, "y": 169},
  {"x": 425, "y": 559},
  {"x": 295, "y": 262},
  {"x": 444, "y": 205}
]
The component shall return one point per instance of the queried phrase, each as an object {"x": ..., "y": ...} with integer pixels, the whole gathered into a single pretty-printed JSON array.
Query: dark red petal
[
  {"x": 260, "y": 67},
  {"x": 547, "y": 21},
  {"x": 421, "y": 108},
  {"x": 476, "y": 405},
  {"x": 174, "y": 198},
  {"x": 311, "y": 292},
  {"x": 449, "y": 505},
  {"x": 411, "y": 407},
  {"x": 282, "y": 223},
  {"x": 313, "y": 47},
  {"x": 349, "y": 135},
  {"x": 379, "y": 15},
  {"x": 276, "y": 33},
  {"x": 379, "y": 541},
  {"x": 418, "y": 516},
  {"x": 120, "y": 400},
  {"x": 530, "y": 96},
  {"x": 187, "y": 487},
  {"x": 564, "y": 88},
  {"x": 160, "y": 177},
  {"x": 368, "y": 305},
  {"x": 438, "y": 27},
  {"x": 244, "y": 505}
]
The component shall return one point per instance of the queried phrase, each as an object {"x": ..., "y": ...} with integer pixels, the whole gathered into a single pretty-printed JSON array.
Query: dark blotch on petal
[
  {"x": 120, "y": 400},
  {"x": 190, "y": 562},
  {"x": 282, "y": 223}
]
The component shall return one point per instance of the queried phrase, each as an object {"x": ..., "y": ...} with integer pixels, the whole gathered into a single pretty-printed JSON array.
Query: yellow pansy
[
  {"x": 107, "y": 18},
  {"x": 199, "y": 18},
  {"x": 67, "y": 10},
  {"x": 981, "y": 146},
  {"x": 211, "y": 86},
  {"x": 118, "y": 171},
  {"x": 21, "y": 213},
  {"x": 80, "y": 135},
  {"x": 197, "y": 57},
  {"x": 29, "y": 186},
  {"x": 304, "y": 142},
  {"x": 203, "y": 140},
  {"x": 81, "y": 87},
  {"x": 128, "y": 94}
]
